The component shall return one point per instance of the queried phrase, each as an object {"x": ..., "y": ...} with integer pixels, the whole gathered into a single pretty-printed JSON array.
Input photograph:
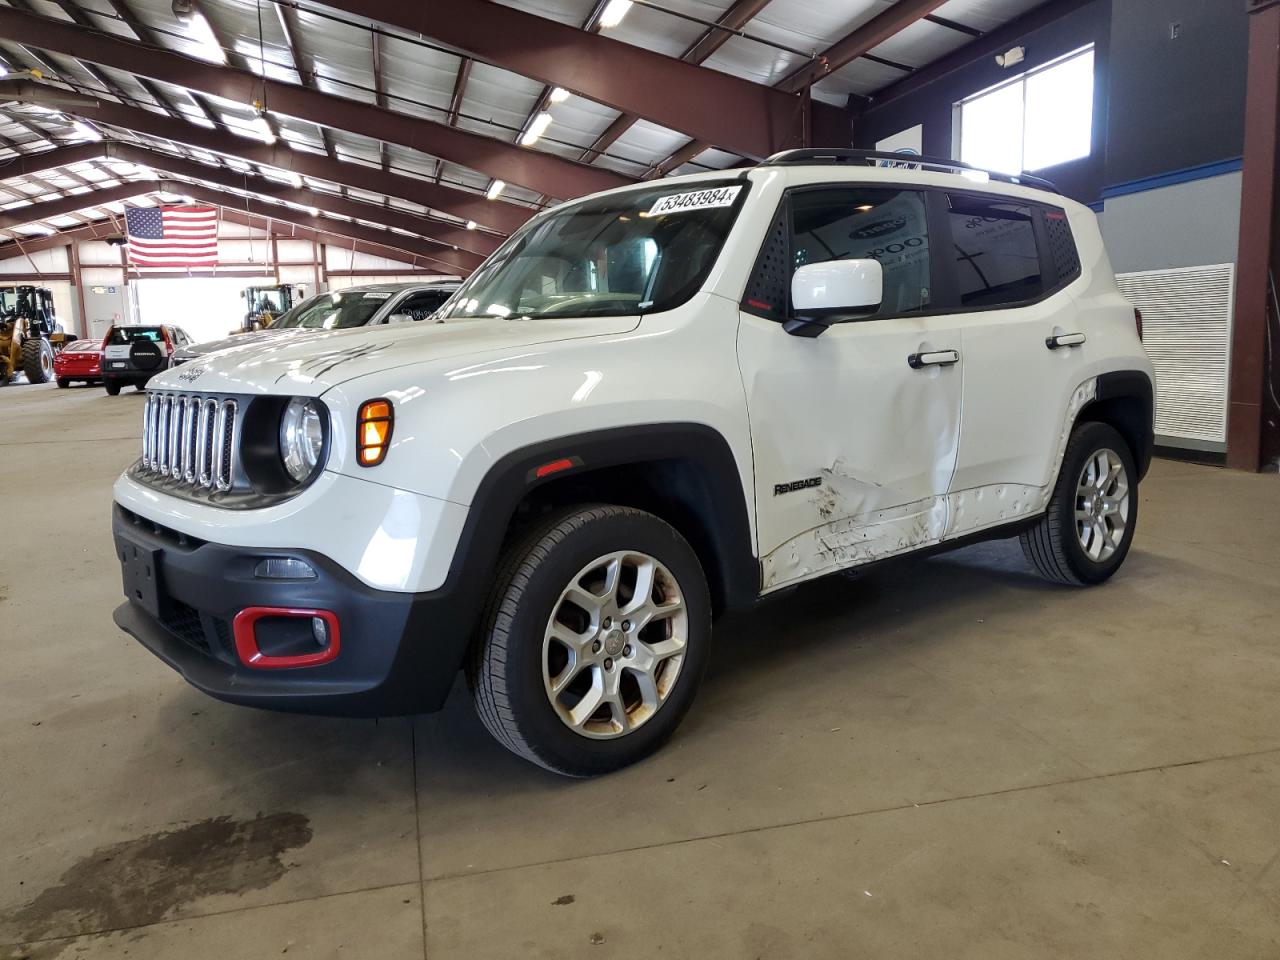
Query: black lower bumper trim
[{"x": 400, "y": 651}]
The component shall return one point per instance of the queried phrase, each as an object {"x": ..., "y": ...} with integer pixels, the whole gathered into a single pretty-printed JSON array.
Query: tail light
[
  {"x": 164, "y": 332},
  {"x": 107, "y": 338},
  {"x": 1137, "y": 321}
]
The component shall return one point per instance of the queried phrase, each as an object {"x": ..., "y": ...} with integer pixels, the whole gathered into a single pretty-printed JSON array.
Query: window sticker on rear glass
[
  {"x": 377, "y": 296},
  {"x": 696, "y": 200}
]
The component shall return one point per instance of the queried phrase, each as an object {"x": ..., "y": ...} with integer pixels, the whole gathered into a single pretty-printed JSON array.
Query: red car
[{"x": 79, "y": 360}]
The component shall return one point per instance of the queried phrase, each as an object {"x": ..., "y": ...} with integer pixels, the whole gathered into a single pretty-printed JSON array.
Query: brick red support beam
[
  {"x": 265, "y": 216},
  {"x": 727, "y": 111},
  {"x": 65, "y": 206},
  {"x": 536, "y": 170},
  {"x": 865, "y": 38},
  {"x": 451, "y": 261},
  {"x": 497, "y": 214},
  {"x": 1253, "y": 434},
  {"x": 478, "y": 244},
  {"x": 98, "y": 230},
  {"x": 735, "y": 18},
  {"x": 827, "y": 129}
]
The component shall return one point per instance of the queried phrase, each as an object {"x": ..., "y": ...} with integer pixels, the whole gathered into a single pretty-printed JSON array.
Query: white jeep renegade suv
[{"x": 648, "y": 406}]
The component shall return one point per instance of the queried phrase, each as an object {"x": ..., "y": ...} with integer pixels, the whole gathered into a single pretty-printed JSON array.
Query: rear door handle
[
  {"x": 1064, "y": 340},
  {"x": 934, "y": 358}
]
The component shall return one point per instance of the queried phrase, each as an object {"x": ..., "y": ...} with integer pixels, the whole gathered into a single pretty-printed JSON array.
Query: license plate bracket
[{"x": 140, "y": 569}]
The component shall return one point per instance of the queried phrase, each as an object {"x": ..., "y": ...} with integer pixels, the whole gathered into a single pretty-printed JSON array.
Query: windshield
[
  {"x": 265, "y": 300},
  {"x": 334, "y": 311},
  {"x": 638, "y": 251},
  {"x": 123, "y": 335},
  {"x": 82, "y": 346}
]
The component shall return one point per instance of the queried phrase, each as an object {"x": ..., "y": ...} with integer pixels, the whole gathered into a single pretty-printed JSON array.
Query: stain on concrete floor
[{"x": 139, "y": 881}]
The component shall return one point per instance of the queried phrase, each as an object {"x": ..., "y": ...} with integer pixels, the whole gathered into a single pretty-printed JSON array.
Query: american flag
[{"x": 173, "y": 236}]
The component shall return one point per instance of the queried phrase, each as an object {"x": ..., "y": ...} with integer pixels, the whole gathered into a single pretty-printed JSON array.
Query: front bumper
[{"x": 400, "y": 652}]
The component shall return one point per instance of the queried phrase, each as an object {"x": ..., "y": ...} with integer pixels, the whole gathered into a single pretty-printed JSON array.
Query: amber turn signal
[{"x": 373, "y": 432}]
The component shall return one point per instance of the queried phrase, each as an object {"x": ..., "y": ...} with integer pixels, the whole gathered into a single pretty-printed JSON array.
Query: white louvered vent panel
[{"x": 1186, "y": 323}]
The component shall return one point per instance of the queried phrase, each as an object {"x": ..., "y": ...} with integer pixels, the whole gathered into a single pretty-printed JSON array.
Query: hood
[
  {"x": 310, "y": 364},
  {"x": 237, "y": 340}
]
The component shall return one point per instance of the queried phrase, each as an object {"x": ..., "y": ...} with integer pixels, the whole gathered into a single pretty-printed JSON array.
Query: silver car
[{"x": 339, "y": 310}]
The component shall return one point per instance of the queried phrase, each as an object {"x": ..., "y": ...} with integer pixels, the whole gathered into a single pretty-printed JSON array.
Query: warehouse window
[{"x": 1040, "y": 119}]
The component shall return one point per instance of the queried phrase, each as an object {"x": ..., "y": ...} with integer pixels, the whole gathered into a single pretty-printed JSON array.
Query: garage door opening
[{"x": 208, "y": 308}]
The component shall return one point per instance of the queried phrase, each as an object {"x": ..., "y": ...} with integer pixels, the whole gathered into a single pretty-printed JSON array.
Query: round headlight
[{"x": 301, "y": 438}]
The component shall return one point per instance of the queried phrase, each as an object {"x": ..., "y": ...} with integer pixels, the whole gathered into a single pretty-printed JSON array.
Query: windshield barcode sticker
[
  {"x": 697, "y": 200},
  {"x": 377, "y": 296}
]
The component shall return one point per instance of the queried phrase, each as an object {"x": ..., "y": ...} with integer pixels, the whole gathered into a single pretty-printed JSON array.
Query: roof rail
[{"x": 817, "y": 155}]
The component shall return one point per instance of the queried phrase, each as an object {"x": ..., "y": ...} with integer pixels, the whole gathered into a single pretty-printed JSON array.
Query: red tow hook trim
[{"x": 243, "y": 628}]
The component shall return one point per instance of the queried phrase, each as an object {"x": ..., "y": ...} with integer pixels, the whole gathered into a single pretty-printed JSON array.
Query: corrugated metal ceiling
[{"x": 418, "y": 78}]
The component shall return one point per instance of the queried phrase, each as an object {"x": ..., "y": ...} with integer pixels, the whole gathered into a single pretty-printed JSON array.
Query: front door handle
[
  {"x": 934, "y": 358},
  {"x": 1064, "y": 340}
]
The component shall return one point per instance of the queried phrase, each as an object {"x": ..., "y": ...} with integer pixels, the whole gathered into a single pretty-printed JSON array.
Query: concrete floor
[{"x": 950, "y": 759}]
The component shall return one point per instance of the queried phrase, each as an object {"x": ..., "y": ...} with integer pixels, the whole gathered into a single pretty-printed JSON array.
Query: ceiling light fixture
[
  {"x": 84, "y": 131},
  {"x": 536, "y": 129},
  {"x": 495, "y": 189},
  {"x": 558, "y": 95},
  {"x": 260, "y": 129},
  {"x": 614, "y": 12},
  {"x": 295, "y": 180},
  {"x": 471, "y": 224},
  {"x": 314, "y": 211},
  {"x": 207, "y": 45}
]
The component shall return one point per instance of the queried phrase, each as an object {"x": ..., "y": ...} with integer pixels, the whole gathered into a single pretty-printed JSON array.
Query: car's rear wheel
[
  {"x": 594, "y": 640},
  {"x": 63, "y": 382},
  {"x": 113, "y": 387},
  {"x": 1086, "y": 532}
]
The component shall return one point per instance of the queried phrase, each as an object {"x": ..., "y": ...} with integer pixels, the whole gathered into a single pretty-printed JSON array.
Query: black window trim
[{"x": 943, "y": 279}]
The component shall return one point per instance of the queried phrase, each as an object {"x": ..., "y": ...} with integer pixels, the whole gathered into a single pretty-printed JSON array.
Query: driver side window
[{"x": 846, "y": 223}]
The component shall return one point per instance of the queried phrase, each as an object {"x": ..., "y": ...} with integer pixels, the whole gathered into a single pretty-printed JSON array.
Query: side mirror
[
  {"x": 824, "y": 293},
  {"x": 400, "y": 318}
]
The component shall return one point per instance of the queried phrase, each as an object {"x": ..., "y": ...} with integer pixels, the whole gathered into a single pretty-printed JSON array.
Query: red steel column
[{"x": 1252, "y": 432}]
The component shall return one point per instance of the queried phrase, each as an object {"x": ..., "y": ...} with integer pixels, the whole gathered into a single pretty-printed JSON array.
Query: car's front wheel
[
  {"x": 1085, "y": 534},
  {"x": 593, "y": 642}
]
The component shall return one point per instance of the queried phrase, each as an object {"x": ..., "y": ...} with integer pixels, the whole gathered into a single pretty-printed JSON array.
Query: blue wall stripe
[{"x": 1186, "y": 175}]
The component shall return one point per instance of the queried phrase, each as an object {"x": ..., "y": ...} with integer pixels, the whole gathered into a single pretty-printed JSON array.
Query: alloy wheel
[
  {"x": 614, "y": 644},
  {"x": 1102, "y": 505}
]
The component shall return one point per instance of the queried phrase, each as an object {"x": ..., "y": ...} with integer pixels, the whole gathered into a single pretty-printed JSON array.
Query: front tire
[
  {"x": 1085, "y": 534},
  {"x": 593, "y": 642},
  {"x": 37, "y": 360},
  {"x": 63, "y": 383}
]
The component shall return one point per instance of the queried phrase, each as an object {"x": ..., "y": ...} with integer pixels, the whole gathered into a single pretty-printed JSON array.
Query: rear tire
[
  {"x": 113, "y": 388},
  {"x": 582, "y": 691},
  {"x": 37, "y": 360},
  {"x": 1085, "y": 534},
  {"x": 63, "y": 383}
]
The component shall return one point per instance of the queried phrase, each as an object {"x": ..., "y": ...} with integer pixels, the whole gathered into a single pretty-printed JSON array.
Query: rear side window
[
  {"x": 1061, "y": 246},
  {"x": 122, "y": 336},
  {"x": 996, "y": 260}
]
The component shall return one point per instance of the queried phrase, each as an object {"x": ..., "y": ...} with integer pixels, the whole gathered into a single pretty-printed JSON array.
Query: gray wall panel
[{"x": 1183, "y": 225}]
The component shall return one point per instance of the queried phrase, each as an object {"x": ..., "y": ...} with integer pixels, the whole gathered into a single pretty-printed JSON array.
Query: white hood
[
  {"x": 312, "y": 363},
  {"x": 198, "y": 350}
]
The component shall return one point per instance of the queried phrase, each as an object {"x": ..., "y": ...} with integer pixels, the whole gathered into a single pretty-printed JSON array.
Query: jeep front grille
[{"x": 190, "y": 439}]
